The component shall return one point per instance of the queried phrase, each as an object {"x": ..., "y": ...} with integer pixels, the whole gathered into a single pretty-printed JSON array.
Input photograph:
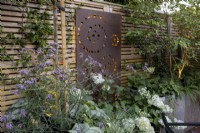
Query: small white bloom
[
  {"x": 144, "y": 92},
  {"x": 129, "y": 124},
  {"x": 144, "y": 125},
  {"x": 157, "y": 101},
  {"x": 97, "y": 78}
]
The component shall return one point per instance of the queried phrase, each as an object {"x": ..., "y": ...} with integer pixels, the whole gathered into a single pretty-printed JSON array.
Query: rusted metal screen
[{"x": 98, "y": 35}]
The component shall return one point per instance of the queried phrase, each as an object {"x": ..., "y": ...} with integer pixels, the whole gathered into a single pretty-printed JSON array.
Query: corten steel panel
[{"x": 98, "y": 34}]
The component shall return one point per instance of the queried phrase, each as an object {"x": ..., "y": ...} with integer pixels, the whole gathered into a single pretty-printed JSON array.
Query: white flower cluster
[
  {"x": 144, "y": 92},
  {"x": 97, "y": 78},
  {"x": 128, "y": 124},
  {"x": 144, "y": 125},
  {"x": 155, "y": 100}
]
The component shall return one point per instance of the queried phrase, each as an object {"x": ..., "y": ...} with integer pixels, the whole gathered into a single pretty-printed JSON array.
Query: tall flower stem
[{"x": 55, "y": 19}]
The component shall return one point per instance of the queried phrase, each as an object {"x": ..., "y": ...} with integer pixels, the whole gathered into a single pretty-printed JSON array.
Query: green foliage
[
  {"x": 39, "y": 28},
  {"x": 169, "y": 54},
  {"x": 160, "y": 85}
]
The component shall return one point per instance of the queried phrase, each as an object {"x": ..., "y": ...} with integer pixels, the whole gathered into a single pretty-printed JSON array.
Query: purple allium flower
[
  {"x": 3, "y": 118},
  {"x": 24, "y": 72},
  {"x": 23, "y": 113},
  {"x": 9, "y": 126},
  {"x": 21, "y": 86},
  {"x": 20, "y": 125},
  {"x": 48, "y": 63},
  {"x": 49, "y": 97},
  {"x": 81, "y": 55}
]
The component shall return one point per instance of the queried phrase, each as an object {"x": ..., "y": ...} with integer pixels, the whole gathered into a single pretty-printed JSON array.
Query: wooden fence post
[{"x": 64, "y": 43}]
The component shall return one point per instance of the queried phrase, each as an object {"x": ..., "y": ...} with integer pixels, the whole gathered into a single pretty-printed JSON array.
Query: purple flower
[
  {"x": 28, "y": 82},
  {"x": 49, "y": 96},
  {"x": 9, "y": 126},
  {"x": 23, "y": 50},
  {"x": 31, "y": 81},
  {"x": 99, "y": 64},
  {"x": 39, "y": 51},
  {"x": 79, "y": 130},
  {"x": 101, "y": 126},
  {"x": 48, "y": 63},
  {"x": 20, "y": 125},
  {"x": 52, "y": 50},
  {"x": 54, "y": 44},
  {"x": 3, "y": 118},
  {"x": 21, "y": 86},
  {"x": 103, "y": 71},
  {"x": 145, "y": 66},
  {"x": 16, "y": 92},
  {"x": 23, "y": 113},
  {"x": 24, "y": 72}
]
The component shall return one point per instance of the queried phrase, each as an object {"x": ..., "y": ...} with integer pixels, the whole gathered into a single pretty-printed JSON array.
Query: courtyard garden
[{"x": 75, "y": 68}]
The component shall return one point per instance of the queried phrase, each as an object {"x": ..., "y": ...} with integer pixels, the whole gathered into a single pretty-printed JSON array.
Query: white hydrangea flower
[
  {"x": 97, "y": 78},
  {"x": 157, "y": 101},
  {"x": 144, "y": 125},
  {"x": 167, "y": 109},
  {"x": 144, "y": 92},
  {"x": 129, "y": 124}
]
